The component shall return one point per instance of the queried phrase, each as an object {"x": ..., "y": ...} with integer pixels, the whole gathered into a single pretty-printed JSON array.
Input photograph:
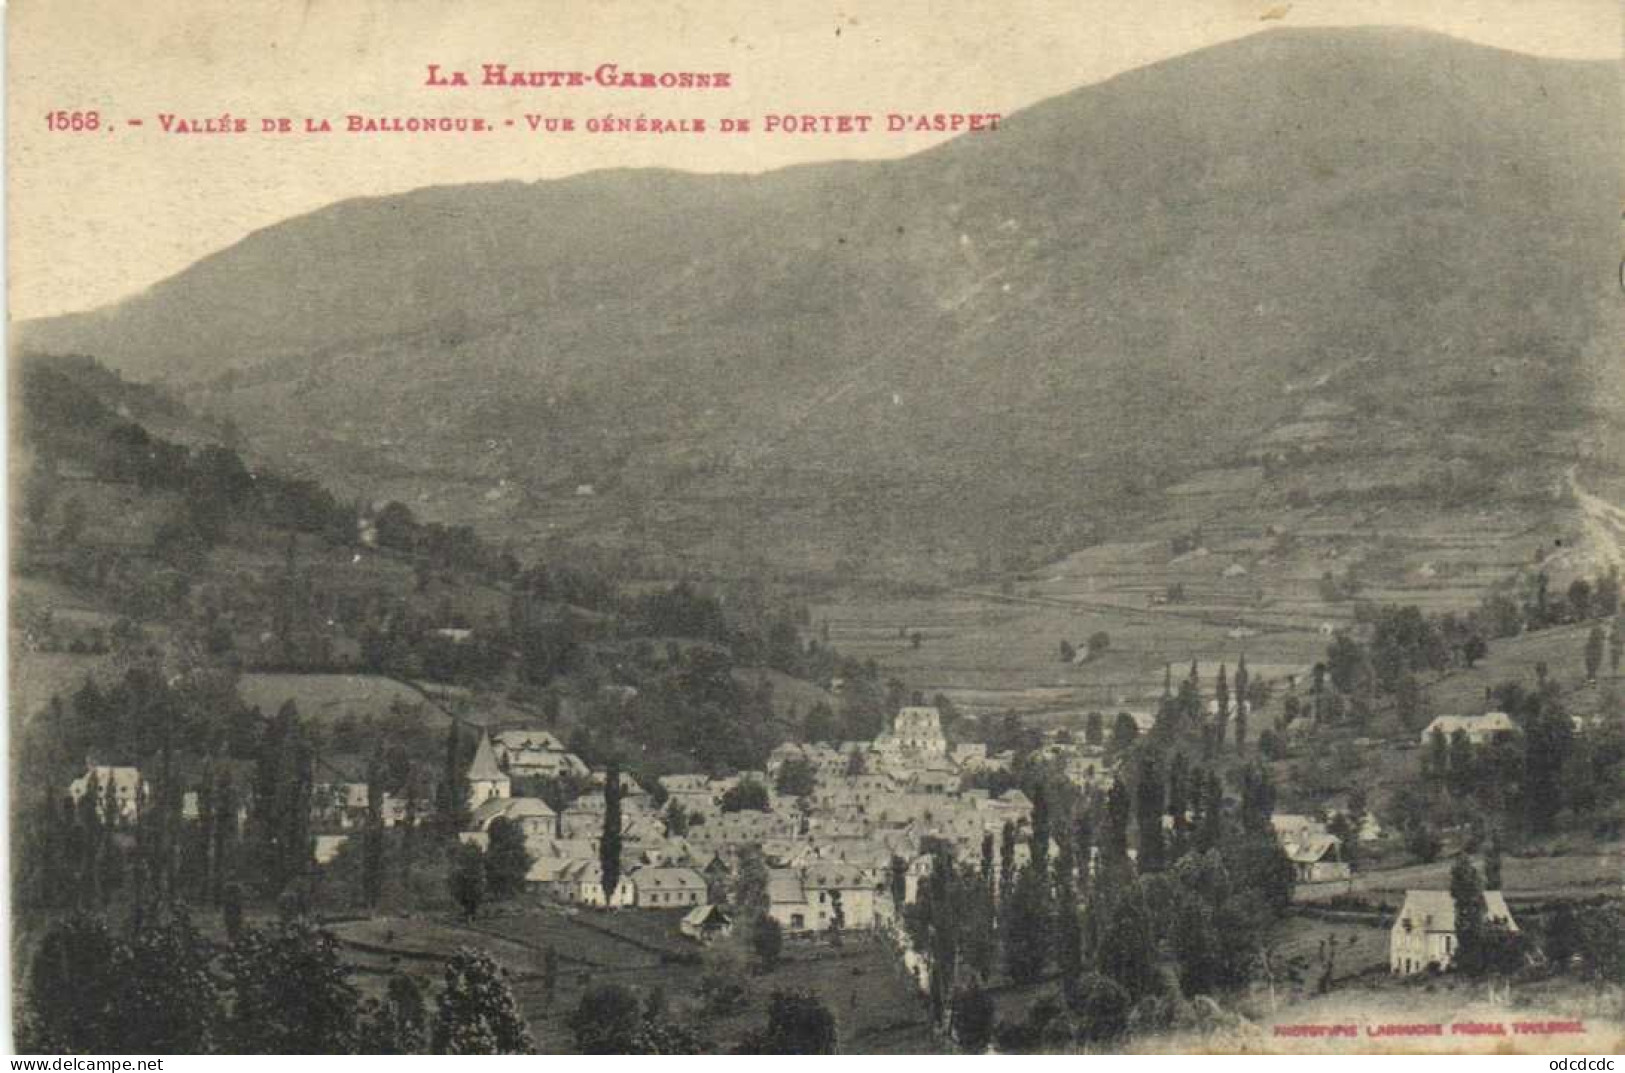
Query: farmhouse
[
  {"x": 1480, "y": 729},
  {"x": 1424, "y": 934}
]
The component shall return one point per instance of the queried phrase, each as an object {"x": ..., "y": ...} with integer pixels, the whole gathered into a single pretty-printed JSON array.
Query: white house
[
  {"x": 1480, "y": 729},
  {"x": 829, "y": 886},
  {"x": 127, "y": 789},
  {"x": 1424, "y": 933},
  {"x": 667, "y": 888},
  {"x": 583, "y": 884}
]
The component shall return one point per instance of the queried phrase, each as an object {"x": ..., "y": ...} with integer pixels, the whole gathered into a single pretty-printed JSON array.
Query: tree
[
  {"x": 1040, "y": 841},
  {"x": 746, "y": 794},
  {"x": 1101, "y": 1007},
  {"x": 507, "y": 860},
  {"x": 1492, "y": 863},
  {"x": 1124, "y": 731},
  {"x": 1099, "y": 641},
  {"x": 476, "y": 1012},
  {"x": 1594, "y": 646},
  {"x": 74, "y": 990},
  {"x": 1579, "y": 600},
  {"x": 292, "y": 993},
  {"x": 451, "y": 801},
  {"x": 767, "y": 942},
  {"x": 1027, "y": 927},
  {"x": 1616, "y": 645},
  {"x": 1467, "y": 896},
  {"x": 609, "y": 845},
  {"x": 372, "y": 849},
  {"x": 798, "y": 1023},
  {"x": 468, "y": 880},
  {"x": 280, "y": 821},
  {"x": 677, "y": 819},
  {"x": 1007, "y": 858},
  {"x": 1474, "y": 649},
  {"x": 1127, "y": 940},
  {"x": 1436, "y": 764},
  {"x": 750, "y": 885},
  {"x": 974, "y": 1014},
  {"x": 606, "y": 1020},
  {"x": 796, "y": 778},
  {"x": 398, "y": 1024},
  {"x": 1149, "y": 803},
  {"x": 1068, "y": 652}
]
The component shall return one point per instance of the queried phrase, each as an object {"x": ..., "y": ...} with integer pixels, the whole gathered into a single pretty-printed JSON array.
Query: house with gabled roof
[
  {"x": 543, "y": 763},
  {"x": 837, "y": 891},
  {"x": 667, "y": 888},
  {"x": 706, "y": 922},
  {"x": 512, "y": 740},
  {"x": 1317, "y": 858},
  {"x": 1423, "y": 935},
  {"x": 582, "y": 883}
]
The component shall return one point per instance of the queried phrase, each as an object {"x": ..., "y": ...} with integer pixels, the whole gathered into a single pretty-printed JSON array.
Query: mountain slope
[{"x": 997, "y": 340}]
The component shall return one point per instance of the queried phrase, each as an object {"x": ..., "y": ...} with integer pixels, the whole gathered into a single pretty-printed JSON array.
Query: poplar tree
[{"x": 609, "y": 847}]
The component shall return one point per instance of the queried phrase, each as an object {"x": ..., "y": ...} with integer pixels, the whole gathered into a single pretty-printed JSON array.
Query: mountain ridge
[{"x": 1030, "y": 327}]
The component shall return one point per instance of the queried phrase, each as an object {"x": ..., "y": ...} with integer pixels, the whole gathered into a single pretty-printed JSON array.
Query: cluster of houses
[{"x": 828, "y": 848}]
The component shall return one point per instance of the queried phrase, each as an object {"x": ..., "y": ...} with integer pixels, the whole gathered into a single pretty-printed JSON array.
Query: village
[{"x": 848, "y": 831}]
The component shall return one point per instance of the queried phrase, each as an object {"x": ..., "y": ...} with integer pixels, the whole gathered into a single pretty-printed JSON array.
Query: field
[
  {"x": 876, "y": 1008},
  {"x": 1575, "y": 875},
  {"x": 1218, "y": 566},
  {"x": 326, "y": 697},
  {"x": 1514, "y": 659}
]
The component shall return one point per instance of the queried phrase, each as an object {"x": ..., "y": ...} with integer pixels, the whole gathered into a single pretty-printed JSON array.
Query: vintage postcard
[{"x": 874, "y": 527}]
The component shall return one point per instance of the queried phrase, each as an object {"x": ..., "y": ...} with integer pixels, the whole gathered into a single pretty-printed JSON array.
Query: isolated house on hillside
[
  {"x": 1480, "y": 729},
  {"x": 1424, "y": 934},
  {"x": 1317, "y": 859}
]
